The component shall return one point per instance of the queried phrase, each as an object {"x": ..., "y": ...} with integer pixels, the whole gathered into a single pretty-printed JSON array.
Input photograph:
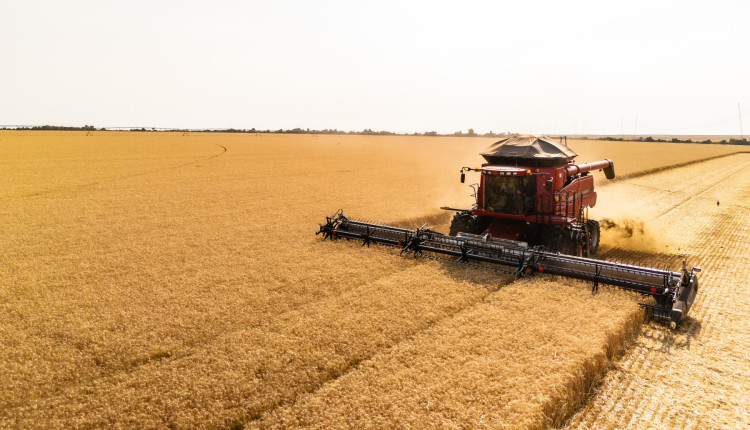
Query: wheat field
[{"x": 156, "y": 280}]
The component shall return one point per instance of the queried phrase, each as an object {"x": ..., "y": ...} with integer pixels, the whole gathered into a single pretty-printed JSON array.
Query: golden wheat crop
[{"x": 162, "y": 279}]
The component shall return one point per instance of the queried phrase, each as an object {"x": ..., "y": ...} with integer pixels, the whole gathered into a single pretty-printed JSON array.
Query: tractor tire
[
  {"x": 558, "y": 238},
  {"x": 569, "y": 241},
  {"x": 460, "y": 223},
  {"x": 479, "y": 224},
  {"x": 594, "y": 235}
]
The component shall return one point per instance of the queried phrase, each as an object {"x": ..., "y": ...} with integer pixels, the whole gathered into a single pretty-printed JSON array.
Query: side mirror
[
  {"x": 463, "y": 177},
  {"x": 548, "y": 185}
]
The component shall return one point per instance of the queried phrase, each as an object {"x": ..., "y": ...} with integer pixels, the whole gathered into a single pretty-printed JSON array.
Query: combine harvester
[{"x": 531, "y": 216}]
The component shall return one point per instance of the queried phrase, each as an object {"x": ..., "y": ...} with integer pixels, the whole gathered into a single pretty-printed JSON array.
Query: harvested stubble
[
  {"x": 154, "y": 279},
  {"x": 699, "y": 375}
]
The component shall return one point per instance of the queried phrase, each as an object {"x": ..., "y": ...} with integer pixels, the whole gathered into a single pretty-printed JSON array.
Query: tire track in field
[
  {"x": 680, "y": 192},
  {"x": 257, "y": 416},
  {"x": 437, "y": 218},
  {"x": 119, "y": 178},
  {"x": 195, "y": 347},
  {"x": 648, "y": 172},
  {"x": 645, "y": 359},
  {"x": 388, "y": 353},
  {"x": 703, "y": 191}
]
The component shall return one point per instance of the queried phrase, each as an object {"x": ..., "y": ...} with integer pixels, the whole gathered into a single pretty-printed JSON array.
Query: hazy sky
[{"x": 652, "y": 67}]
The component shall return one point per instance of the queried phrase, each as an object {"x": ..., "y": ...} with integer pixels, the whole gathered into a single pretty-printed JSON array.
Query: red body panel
[
  {"x": 507, "y": 229},
  {"x": 572, "y": 190}
]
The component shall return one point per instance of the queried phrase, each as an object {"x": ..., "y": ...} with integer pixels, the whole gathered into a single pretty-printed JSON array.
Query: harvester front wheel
[
  {"x": 594, "y": 234},
  {"x": 558, "y": 238},
  {"x": 460, "y": 223},
  {"x": 479, "y": 224}
]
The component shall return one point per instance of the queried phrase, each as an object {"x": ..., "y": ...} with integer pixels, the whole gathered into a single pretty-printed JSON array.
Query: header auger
[{"x": 530, "y": 217}]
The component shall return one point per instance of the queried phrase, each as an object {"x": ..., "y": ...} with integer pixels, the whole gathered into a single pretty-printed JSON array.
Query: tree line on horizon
[
  {"x": 366, "y": 132},
  {"x": 731, "y": 141}
]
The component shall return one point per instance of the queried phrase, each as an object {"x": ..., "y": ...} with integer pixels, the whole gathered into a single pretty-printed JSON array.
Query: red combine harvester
[
  {"x": 530, "y": 216},
  {"x": 531, "y": 191}
]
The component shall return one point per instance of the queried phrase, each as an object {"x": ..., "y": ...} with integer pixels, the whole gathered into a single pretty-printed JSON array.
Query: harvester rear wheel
[
  {"x": 594, "y": 235},
  {"x": 460, "y": 223}
]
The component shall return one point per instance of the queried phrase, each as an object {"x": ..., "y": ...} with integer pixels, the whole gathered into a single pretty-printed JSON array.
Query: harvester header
[{"x": 673, "y": 292}]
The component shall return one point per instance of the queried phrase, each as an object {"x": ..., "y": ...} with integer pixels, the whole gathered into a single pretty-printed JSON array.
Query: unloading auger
[{"x": 673, "y": 292}]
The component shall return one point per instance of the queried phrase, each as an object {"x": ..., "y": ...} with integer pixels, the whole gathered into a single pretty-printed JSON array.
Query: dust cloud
[{"x": 627, "y": 225}]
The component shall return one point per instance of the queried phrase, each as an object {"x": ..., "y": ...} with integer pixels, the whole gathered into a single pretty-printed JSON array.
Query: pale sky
[{"x": 651, "y": 67}]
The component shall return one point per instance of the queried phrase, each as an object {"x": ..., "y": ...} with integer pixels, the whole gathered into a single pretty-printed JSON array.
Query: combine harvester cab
[{"x": 531, "y": 218}]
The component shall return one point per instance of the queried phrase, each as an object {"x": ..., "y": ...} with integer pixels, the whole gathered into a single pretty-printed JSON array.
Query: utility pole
[{"x": 739, "y": 112}]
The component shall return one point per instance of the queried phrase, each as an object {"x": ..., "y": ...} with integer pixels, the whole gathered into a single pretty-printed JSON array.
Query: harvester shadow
[
  {"x": 476, "y": 274},
  {"x": 436, "y": 221},
  {"x": 669, "y": 260},
  {"x": 668, "y": 340},
  {"x": 473, "y": 273}
]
